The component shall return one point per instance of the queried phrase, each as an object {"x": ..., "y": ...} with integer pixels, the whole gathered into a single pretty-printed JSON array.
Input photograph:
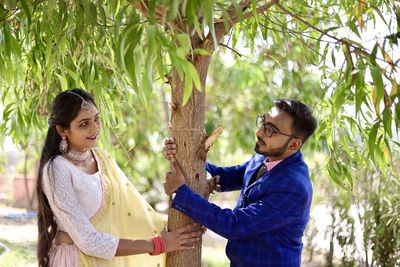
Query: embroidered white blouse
[{"x": 74, "y": 197}]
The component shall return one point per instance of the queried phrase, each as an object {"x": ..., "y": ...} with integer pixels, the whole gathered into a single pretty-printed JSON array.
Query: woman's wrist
[{"x": 150, "y": 245}]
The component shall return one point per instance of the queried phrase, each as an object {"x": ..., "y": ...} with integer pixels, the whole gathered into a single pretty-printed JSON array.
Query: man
[{"x": 267, "y": 224}]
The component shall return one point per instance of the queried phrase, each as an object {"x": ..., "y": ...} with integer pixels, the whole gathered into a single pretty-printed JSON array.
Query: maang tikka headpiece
[{"x": 86, "y": 106}]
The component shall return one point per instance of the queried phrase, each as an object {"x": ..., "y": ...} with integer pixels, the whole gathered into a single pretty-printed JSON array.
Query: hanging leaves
[{"x": 125, "y": 51}]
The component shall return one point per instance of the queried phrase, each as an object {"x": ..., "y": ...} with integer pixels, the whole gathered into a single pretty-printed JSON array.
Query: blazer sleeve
[
  {"x": 231, "y": 178},
  {"x": 275, "y": 210},
  {"x": 60, "y": 193}
]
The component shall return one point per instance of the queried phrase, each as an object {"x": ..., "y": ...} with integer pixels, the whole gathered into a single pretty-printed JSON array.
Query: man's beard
[{"x": 276, "y": 152}]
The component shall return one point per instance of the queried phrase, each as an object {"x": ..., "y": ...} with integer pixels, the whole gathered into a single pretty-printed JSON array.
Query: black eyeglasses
[{"x": 269, "y": 130}]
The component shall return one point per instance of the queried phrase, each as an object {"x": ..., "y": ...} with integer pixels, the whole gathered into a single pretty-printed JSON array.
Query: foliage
[
  {"x": 248, "y": 88},
  {"x": 117, "y": 49},
  {"x": 365, "y": 222},
  {"x": 3, "y": 162},
  {"x": 16, "y": 256}
]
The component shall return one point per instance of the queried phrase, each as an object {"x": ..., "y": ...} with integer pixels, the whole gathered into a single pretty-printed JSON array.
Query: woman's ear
[{"x": 60, "y": 131}]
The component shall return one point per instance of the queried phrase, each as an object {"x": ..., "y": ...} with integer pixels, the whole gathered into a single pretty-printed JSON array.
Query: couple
[
  {"x": 89, "y": 214},
  {"x": 265, "y": 228}
]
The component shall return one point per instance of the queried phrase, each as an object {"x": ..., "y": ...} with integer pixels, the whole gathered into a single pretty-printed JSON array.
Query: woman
[{"x": 89, "y": 212}]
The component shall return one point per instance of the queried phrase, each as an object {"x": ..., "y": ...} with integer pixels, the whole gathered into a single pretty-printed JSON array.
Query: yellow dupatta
[{"x": 125, "y": 214}]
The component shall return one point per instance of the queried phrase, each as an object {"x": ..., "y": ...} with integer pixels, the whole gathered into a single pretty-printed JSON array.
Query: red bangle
[
  {"x": 159, "y": 246},
  {"x": 156, "y": 247},
  {"x": 163, "y": 245}
]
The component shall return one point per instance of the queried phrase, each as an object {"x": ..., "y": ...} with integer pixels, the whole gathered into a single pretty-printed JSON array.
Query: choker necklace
[{"x": 79, "y": 158}]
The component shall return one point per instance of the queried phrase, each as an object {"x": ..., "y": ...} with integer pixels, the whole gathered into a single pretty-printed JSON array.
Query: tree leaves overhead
[{"x": 326, "y": 53}]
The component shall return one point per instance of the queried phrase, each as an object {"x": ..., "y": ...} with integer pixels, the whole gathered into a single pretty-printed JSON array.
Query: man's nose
[{"x": 260, "y": 132}]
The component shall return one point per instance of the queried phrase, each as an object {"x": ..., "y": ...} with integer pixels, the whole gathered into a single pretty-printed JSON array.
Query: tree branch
[
  {"x": 339, "y": 40},
  {"x": 219, "y": 25},
  {"x": 234, "y": 18},
  {"x": 250, "y": 14},
  {"x": 230, "y": 48},
  {"x": 243, "y": 5},
  {"x": 160, "y": 11}
]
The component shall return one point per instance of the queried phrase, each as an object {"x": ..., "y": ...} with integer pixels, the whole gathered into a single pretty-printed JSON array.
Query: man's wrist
[
  {"x": 174, "y": 193},
  {"x": 173, "y": 196},
  {"x": 216, "y": 186}
]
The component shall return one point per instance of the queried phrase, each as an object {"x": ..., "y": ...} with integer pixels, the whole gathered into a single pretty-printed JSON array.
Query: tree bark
[
  {"x": 28, "y": 195},
  {"x": 187, "y": 127}
]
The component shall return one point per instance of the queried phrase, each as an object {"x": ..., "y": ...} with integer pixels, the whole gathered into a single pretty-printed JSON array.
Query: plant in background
[{"x": 127, "y": 53}]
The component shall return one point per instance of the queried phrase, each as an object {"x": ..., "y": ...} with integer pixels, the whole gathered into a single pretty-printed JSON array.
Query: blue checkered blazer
[{"x": 267, "y": 224}]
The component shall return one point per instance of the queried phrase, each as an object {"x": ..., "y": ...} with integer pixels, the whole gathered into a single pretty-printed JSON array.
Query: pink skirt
[{"x": 64, "y": 255}]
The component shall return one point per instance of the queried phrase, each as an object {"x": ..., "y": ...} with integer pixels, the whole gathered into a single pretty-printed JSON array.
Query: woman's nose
[{"x": 94, "y": 128}]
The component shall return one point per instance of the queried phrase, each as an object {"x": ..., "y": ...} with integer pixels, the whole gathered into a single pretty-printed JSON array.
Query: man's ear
[
  {"x": 60, "y": 131},
  {"x": 295, "y": 144}
]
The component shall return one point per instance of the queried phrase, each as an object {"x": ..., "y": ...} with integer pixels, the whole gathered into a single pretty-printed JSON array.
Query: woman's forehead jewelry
[{"x": 86, "y": 106}]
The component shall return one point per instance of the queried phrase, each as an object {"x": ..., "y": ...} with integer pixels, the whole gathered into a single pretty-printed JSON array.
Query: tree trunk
[
  {"x": 28, "y": 195},
  {"x": 330, "y": 255},
  {"x": 187, "y": 127}
]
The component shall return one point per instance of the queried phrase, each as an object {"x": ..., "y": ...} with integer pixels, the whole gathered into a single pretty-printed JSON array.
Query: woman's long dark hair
[{"x": 66, "y": 107}]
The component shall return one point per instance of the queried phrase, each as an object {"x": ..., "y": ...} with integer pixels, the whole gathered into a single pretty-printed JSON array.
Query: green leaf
[
  {"x": 92, "y": 13},
  {"x": 177, "y": 63},
  {"x": 20, "y": 119},
  {"x": 321, "y": 130},
  {"x": 188, "y": 89},
  {"x": 387, "y": 122},
  {"x": 335, "y": 173},
  {"x": 194, "y": 75},
  {"x": 117, "y": 5},
  {"x": 372, "y": 138},
  {"x": 130, "y": 67},
  {"x": 15, "y": 46},
  {"x": 238, "y": 10},
  {"x": 71, "y": 73},
  {"x": 201, "y": 52},
  {"x": 377, "y": 77},
  {"x": 209, "y": 18},
  {"x": 393, "y": 91},
  {"x": 184, "y": 42},
  {"x": 49, "y": 50},
  {"x": 27, "y": 11},
  {"x": 184, "y": 8},
  {"x": 373, "y": 52},
  {"x": 2, "y": 66},
  {"x": 129, "y": 41},
  {"x": 63, "y": 82},
  {"x": 173, "y": 10},
  {"x": 338, "y": 19},
  {"x": 102, "y": 14},
  {"x": 348, "y": 175},
  {"x": 147, "y": 83},
  {"x": 353, "y": 27},
  {"x": 387, "y": 151},
  {"x": 360, "y": 94},
  {"x": 333, "y": 58},
  {"x": 151, "y": 39},
  {"x": 7, "y": 111},
  {"x": 2, "y": 10},
  {"x": 7, "y": 39}
]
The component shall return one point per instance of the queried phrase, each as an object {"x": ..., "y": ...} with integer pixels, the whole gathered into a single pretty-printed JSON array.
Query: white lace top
[{"x": 74, "y": 197}]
